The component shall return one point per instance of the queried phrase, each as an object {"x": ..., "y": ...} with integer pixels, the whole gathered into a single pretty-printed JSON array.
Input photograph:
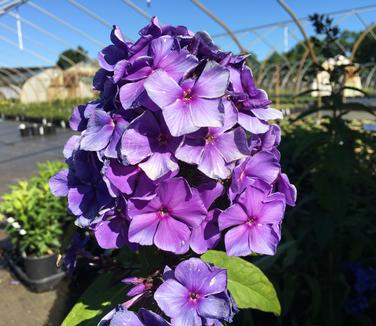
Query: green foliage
[
  {"x": 367, "y": 50},
  {"x": 102, "y": 296},
  {"x": 74, "y": 55},
  {"x": 246, "y": 282},
  {"x": 333, "y": 164},
  {"x": 52, "y": 111},
  {"x": 34, "y": 216}
]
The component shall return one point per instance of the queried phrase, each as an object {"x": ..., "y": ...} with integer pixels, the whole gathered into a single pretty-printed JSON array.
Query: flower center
[
  {"x": 251, "y": 221},
  {"x": 209, "y": 138},
  {"x": 187, "y": 95},
  {"x": 193, "y": 296},
  {"x": 162, "y": 139},
  {"x": 163, "y": 211}
]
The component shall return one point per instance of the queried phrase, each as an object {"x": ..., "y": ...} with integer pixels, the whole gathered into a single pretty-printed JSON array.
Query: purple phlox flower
[
  {"x": 81, "y": 114},
  {"x": 103, "y": 131},
  {"x": 127, "y": 179},
  {"x": 83, "y": 185},
  {"x": 203, "y": 47},
  {"x": 287, "y": 188},
  {"x": 252, "y": 103},
  {"x": 193, "y": 296},
  {"x": 164, "y": 55},
  {"x": 148, "y": 143},
  {"x": 110, "y": 55},
  {"x": 268, "y": 141},
  {"x": 259, "y": 170},
  {"x": 213, "y": 150},
  {"x": 123, "y": 317},
  {"x": 155, "y": 29},
  {"x": 207, "y": 235},
  {"x": 192, "y": 104},
  {"x": 112, "y": 231},
  {"x": 165, "y": 219},
  {"x": 252, "y": 219}
]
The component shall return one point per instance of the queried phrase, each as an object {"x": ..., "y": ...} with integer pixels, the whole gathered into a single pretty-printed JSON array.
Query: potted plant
[{"x": 34, "y": 221}]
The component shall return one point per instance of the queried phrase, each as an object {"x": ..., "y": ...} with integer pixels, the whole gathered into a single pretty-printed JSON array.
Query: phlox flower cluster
[{"x": 178, "y": 151}]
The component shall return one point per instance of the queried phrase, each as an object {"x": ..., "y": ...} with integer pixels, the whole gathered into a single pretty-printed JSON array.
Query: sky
[{"x": 41, "y": 50}]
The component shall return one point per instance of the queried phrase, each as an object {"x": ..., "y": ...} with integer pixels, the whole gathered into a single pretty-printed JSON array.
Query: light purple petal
[
  {"x": 271, "y": 212},
  {"x": 178, "y": 64},
  {"x": 179, "y": 119},
  {"x": 236, "y": 241},
  {"x": 189, "y": 318},
  {"x": 263, "y": 239},
  {"x": 130, "y": 92},
  {"x": 59, "y": 184},
  {"x": 216, "y": 282},
  {"x": 231, "y": 114},
  {"x": 287, "y": 189},
  {"x": 112, "y": 148},
  {"x": 172, "y": 235},
  {"x": 252, "y": 124},
  {"x": 206, "y": 112},
  {"x": 112, "y": 234},
  {"x": 263, "y": 165},
  {"x": 99, "y": 131},
  {"x": 235, "y": 80},
  {"x": 252, "y": 201},
  {"x": 193, "y": 274},
  {"x": 172, "y": 298},
  {"x": 213, "y": 307},
  {"x": 162, "y": 89},
  {"x": 190, "y": 150},
  {"x": 267, "y": 114},
  {"x": 212, "y": 82},
  {"x": 135, "y": 146},
  {"x": 212, "y": 163},
  {"x": 161, "y": 48},
  {"x": 71, "y": 145},
  {"x": 209, "y": 192},
  {"x": 207, "y": 235},
  {"x": 232, "y": 145},
  {"x": 142, "y": 228},
  {"x": 122, "y": 177},
  {"x": 234, "y": 215},
  {"x": 139, "y": 74},
  {"x": 181, "y": 202},
  {"x": 120, "y": 70},
  {"x": 125, "y": 317},
  {"x": 159, "y": 164}
]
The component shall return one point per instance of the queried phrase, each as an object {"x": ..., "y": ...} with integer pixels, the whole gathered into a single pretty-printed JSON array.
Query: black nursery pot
[
  {"x": 37, "y": 268},
  {"x": 40, "y": 274}
]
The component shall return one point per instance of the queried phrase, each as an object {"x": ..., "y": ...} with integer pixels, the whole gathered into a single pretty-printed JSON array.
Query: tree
[
  {"x": 70, "y": 56},
  {"x": 366, "y": 51}
]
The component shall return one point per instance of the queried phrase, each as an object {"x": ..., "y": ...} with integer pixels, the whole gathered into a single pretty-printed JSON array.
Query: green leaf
[
  {"x": 102, "y": 296},
  {"x": 248, "y": 284}
]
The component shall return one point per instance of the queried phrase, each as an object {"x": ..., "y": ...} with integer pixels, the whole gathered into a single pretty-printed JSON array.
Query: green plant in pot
[{"x": 34, "y": 221}]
